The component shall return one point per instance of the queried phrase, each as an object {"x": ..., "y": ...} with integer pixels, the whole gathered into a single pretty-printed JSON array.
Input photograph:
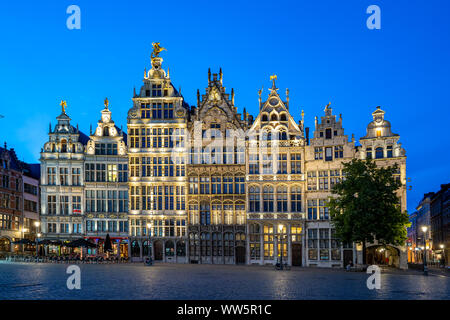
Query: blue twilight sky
[{"x": 321, "y": 50}]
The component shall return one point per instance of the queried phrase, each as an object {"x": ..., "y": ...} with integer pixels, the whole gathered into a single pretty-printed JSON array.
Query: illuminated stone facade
[
  {"x": 106, "y": 185},
  {"x": 216, "y": 176},
  {"x": 62, "y": 181},
  {"x": 207, "y": 184},
  {"x": 157, "y": 169}
]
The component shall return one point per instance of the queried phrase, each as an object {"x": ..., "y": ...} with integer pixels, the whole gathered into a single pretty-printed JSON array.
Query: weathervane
[
  {"x": 156, "y": 50},
  {"x": 273, "y": 78},
  {"x": 63, "y": 105}
]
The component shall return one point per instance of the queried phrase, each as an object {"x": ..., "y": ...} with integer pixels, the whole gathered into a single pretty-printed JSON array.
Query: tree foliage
[{"x": 365, "y": 206}]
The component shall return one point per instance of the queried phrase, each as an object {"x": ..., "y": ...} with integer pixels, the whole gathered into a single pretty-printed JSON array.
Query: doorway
[
  {"x": 297, "y": 254},
  {"x": 348, "y": 256},
  {"x": 158, "y": 250},
  {"x": 240, "y": 255}
]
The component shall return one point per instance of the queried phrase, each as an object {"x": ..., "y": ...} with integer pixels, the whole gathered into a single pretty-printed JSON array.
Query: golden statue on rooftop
[
  {"x": 106, "y": 103},
  {"x": 63, "y": 105},
  {"x": 156, "y": 50}
]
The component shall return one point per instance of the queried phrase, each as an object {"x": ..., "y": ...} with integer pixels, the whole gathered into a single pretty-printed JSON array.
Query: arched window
[
  {"x": 268, "y": 198},
  {"x": 170, "y": 248},
  {"x": 264, "y": 117},
  {"x": 283, "y": 117},
  {"x": 145, "y": 248},
  {"x": 194, "y": 244},
  {"x": 193, "y": 214},
  {"x": 369, "y": 153},
  {"x": 296, "y": 199},
  {"x": 228, "y": 244},
  {"x": 216, "y": 214},
  {"x": 274, "y": 117},
  {"x": 205, "y": 214},
  {"x": 254, "y": 199},
  {"x": 217, "y": 244},
  {"x": 378, "y": 153},
  {"x": 240, "y": 213},
  {"x": 181, "y": 248},
  {"x": 228, "y": 214},
  {"x": 105, "y": 131},
  {"x": 282, "y": 203},
  {"x": 283, "y": 136},
  {"x": 5, "y": 245},
  {"x": 205, "y": 244},
  {"x": 63, "y": 146}
]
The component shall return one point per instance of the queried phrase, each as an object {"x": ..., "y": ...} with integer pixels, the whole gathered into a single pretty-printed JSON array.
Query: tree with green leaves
[{"x": 365, "y": 206}]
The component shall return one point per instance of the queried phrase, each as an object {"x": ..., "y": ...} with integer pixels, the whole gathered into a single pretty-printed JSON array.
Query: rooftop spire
[
  {"x": 106, "y": 102},
  {"x": 273, "y": 78}
]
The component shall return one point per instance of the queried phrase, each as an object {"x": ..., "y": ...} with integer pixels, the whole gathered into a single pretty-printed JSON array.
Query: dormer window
[
  {"x": 63, "y": 146},
  {"x": 328, "y": 133},
  {"x": 264, "y": 117},
  {"x": 378, "y": 133},
  {"x": 147, "y": 93},
  {"x": 273, "y": 117},
  {"x": 105, "y": 131},
  {"x": 156, "y": 90},
  {"x": 283, "y": 117}
]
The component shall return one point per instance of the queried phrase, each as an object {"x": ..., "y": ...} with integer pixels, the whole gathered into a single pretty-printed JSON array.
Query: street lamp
[
  {"x": 24, "y": 230},
  {"x": 280, "y": 236},
  {"x": 443, "y": 252},
  {"x": 38, "y": 235},
  {"x": 425, "y": 267},
  {"x": 149, "y": 228}
]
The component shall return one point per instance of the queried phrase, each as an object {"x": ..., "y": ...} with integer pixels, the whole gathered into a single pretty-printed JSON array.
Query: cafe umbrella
[
  {"x": 108, "y": 245},
  {"x": 80, "y": 243},
  {"x": 23, "y": 241}
]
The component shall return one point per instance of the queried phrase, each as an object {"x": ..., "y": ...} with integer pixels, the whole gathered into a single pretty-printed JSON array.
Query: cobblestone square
[{"x": 170, "y": 281}]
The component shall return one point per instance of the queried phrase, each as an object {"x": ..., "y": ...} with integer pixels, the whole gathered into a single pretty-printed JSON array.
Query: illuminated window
[{"x": 112, "y": 173}]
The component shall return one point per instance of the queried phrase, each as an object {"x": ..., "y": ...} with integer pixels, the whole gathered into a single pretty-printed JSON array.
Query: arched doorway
[
  {"x": 146, "y": 248},
  {"x": 240, "y": 255},
  {"x": 181, "y": 248},
  {"x": 158, "y": 250},
  {"x": 383, "y": 255},
  {"x": 135, "y": 249},
  {"x": 5, "y": 245},
  {"x": 170, "y": 248}
]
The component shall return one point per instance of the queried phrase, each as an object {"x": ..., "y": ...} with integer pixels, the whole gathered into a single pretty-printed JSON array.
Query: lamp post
[
  {"x": 443, "y": 252},
  {"x": 149, "y": 231},
  {"x": 23, "y": 237},
  {"x": 38, "y": 235},
  {"x": 280, "y": 237},
  {"x": 425, "y": 267}
]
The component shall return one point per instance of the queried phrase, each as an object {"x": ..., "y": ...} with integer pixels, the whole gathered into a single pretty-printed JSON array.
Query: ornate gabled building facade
[
  {"x": 207, "y": 184},
  {"x": 382, "y": 145},
  {"x": 62, "y": 181},
  {"x": 324, "y": 156},
  {"x": 157, "y": 168},
  {"x": 275, "y": 183},
  {"x": 216, "y": 174},
  {"x": 106, "y": 185}
]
